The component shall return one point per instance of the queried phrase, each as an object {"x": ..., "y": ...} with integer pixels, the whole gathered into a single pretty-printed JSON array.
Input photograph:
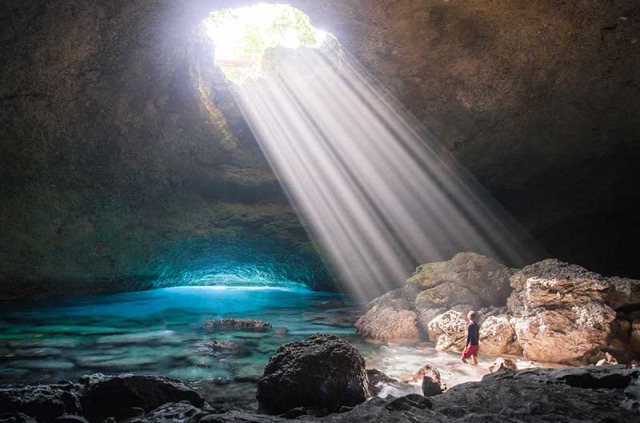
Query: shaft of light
[{"x": 379, "y": 193}]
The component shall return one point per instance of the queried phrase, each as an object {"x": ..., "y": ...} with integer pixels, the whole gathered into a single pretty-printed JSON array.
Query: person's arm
[{"x": 468, "y": 335}]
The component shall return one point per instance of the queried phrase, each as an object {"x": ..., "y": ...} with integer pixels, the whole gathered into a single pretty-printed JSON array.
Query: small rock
[
  {"x": 376, "y": 379},
  {"x": 503, "y": 364},
  {"x": 431, "y": 382}
]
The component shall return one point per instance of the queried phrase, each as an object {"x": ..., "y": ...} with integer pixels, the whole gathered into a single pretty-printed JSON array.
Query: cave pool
[{"x": 161, "y": 332}]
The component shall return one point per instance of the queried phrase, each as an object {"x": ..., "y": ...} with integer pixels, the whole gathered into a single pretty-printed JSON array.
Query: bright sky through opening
[{"x": 242, "y": 35}]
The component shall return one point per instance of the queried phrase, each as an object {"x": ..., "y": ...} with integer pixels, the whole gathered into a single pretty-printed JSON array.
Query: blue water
[{"x": 161, "y": 332}]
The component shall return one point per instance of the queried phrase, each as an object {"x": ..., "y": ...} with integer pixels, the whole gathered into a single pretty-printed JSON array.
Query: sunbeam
[{"x": 381, "y": 195}]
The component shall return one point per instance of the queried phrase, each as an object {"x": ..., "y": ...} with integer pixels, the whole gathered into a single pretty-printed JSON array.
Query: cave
[{"x": 189, "y": 189}]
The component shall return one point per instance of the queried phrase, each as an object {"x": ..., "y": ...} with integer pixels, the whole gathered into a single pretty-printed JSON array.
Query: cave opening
[{"x": 253, "y": 38}]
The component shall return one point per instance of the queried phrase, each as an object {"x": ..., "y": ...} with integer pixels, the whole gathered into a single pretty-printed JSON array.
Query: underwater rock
[
  {"x": 560, "y": 311},
  {"x": 226, "y": 347},
  {"x": 113, "y": 396},
  {"x": 468, "y": 278},
  {"x": 503, "y": 364},
  {"x": 237, "y": 324},
  {"x": 320, "y": 371},
  {"x": 44, "y": 403},
  {"x": 448, "y": 331},
  {"x": 390, "y": 318}
]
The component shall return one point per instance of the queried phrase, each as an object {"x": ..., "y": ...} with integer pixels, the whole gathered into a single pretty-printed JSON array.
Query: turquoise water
[{"x": 161, "y": 332}]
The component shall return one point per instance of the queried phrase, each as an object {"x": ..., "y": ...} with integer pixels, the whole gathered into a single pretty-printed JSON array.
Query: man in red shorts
[{"x": 473, "y": 336}]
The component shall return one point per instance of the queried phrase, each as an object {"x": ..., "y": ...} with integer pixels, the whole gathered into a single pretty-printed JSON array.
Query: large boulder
[
  {"x": 449, "y": 331},
  {"x": 560, "y": 311},
  {"x": 624, "y": 293},
  {"x": 44, "y": 403},
  {"x": 467, "y": 279},
  {"x": 390, "y": 318},
  {"x": 498, "y": 336},
  {"x": 320, "y": 371},
  {"x": 115, "y": 396}
]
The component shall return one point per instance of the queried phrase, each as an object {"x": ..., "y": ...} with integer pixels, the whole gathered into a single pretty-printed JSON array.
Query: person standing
[{"x": 473, "y": 338}]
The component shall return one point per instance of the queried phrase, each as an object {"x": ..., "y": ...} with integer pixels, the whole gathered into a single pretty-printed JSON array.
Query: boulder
[
  {"x": 468, "y": 278},
  {"x": 560, "y": 336},
  {"x": 237, "y": 324},
  {"x": 552, "y": 284},
  {"x": 425, "y": 317},
  {"x": 390, "y": 318},
  {"x": 115, "y": 396},
  {"x": 44, "y": 403},
  {"x": 497, "y": 336},
  {"x": 448, "y": 331},
  {"x": 560, "y": 311},
  {"x": 320, "y": 371},
  {"x": 624, "y": 293},
  {"x": 503, "y": 364}
]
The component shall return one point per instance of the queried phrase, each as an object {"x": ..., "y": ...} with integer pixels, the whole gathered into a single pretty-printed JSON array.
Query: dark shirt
[{"x": 473, "y": 332}]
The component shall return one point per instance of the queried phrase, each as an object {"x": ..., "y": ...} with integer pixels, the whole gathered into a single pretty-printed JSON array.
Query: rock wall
[
  {"x": 124, "y": 161},
  {"x": 121, "y": 155}
]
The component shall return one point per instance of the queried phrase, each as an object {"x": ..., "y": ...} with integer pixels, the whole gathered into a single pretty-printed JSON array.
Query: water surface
[{"x": 161, "y": 332}]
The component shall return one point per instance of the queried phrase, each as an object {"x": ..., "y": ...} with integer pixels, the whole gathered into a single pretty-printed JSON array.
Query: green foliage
[{"x": 257, "y": 38}]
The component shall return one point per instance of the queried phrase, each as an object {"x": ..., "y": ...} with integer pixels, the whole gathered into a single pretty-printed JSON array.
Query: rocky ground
[
  {"x": 605, "y": 394},
  {"x": 550, "y": 311}
]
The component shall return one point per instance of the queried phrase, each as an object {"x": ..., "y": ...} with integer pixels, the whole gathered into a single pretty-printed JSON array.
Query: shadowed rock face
[
  {"x": 321, "y": 371},
  {"x": 122, "y": 154}
]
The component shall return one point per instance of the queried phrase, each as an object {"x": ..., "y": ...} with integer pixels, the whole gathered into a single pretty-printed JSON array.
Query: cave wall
[{"x": 121, "y": 153}]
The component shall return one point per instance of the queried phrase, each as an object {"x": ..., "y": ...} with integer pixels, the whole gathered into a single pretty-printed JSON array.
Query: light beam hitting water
[{"x": 379, "y": 193}]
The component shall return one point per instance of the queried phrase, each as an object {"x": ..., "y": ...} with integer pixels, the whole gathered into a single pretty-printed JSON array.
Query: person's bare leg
[
  {"x": 474, "y": 360},
  {"x": 464, "y": 360}
]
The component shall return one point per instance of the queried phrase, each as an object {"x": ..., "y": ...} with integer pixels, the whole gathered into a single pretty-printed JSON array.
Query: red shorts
[{"x": 470, "y": 350}]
